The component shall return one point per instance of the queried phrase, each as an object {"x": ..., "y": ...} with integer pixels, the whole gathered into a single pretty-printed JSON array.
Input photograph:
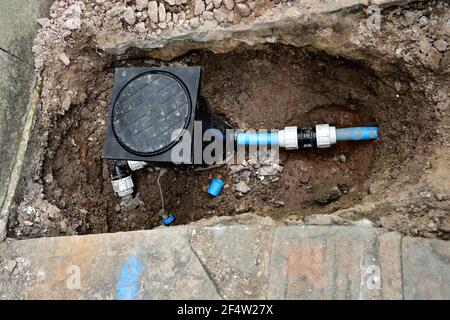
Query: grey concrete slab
[
  {"x": 426, "y": 269},
  {"x": 135, "y": 265},
  {"x": 324, "y": 263},
  {"x": 390, "y": 248},
  {"x": 236, "y": 257},
  {"x": 18, "y": 23},
  {"x": 18, "y": 27},
  {"x": 228, "y": 261}
]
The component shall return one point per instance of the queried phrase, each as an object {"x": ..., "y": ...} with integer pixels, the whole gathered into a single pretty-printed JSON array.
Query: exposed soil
[
  {"x": 243, "y": 86},
  {"x": 270, "y": 86}
]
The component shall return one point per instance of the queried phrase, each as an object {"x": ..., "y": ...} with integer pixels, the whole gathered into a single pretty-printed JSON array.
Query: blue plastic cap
[
  {"x": 216, "y": 187},
  {"x": 168, "y": 220}
]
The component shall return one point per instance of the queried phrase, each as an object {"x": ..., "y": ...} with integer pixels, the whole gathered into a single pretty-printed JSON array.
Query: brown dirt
[
  {"x": 271, "y": 87},
  {"x": 267, "y": 87}
]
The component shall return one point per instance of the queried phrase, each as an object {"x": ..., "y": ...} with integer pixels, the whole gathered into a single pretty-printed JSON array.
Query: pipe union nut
[
  {"x": 290, "y": 138},
  {"x": 137, "y": 165},
  {"x": 123, "y": 187},
  {"x": 325, "y": 135}
]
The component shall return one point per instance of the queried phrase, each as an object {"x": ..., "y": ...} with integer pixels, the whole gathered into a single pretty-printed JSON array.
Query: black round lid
[{"x": 148, "y": 110}]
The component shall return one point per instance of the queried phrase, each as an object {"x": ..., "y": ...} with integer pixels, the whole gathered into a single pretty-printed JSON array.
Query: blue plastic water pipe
[{"x": 322, "y": 136}]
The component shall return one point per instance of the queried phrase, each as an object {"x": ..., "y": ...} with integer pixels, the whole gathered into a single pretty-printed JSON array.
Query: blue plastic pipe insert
[
  {"x": 357, "y": 133},
  {"x": 215, "y": 187},
  {"x": 253, "y": 138},
  {"x": 169, "y": 220}
]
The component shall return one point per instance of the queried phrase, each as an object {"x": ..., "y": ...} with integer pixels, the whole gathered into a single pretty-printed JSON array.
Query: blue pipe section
[
  {"x": 253, "y": 138},
  {"x": 215, "y": 188},
  {"x": 357, "y": 133}
]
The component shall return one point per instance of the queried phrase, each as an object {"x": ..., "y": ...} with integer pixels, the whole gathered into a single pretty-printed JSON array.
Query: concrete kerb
[{"x": 20, "y": 157}]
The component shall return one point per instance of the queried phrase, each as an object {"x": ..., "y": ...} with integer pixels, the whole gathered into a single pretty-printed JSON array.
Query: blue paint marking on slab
[{"x": 128, "y": 285}]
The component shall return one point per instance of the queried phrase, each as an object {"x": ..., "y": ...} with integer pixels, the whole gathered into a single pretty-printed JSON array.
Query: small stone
[
  {"x": 342, "y": 158},
  {"x": 236, "y": 168},
  {"x": 229, "y": 4},
  {"x": 63, "y": 226},
  {"x": 441, "y": 45},
  {"x": 269, "y": 170},
  {"x": 153, "y": 11},
  {"x": 64, "y": 59},
  {"x": 220, "y": 15},
  {"x": 208, "y": 15},
  {"x": 363, "y": 223},
  {"x": 217, "y": 3},
  {"x": 72, "y": 24},
  {"x": 199, "y": 7},
  {"x": 194, "y": 22},
  {"x": 129, "y": 16},
  {"x": 67, "y": 102},
  {"x": 242, "y": 208},
  {"x": 324, "y": 220},
  {"x": 242, "y": 187},
  {"x": 432, "y": 227},
  {"x": 242, "y": 9},
  {"x": 48, "y": 178},
  {"x": 327, "y": 196},
  {"x": 141, "y": 4},
  {"x": 162, "y": 12},
  {"x": 44, "y": 22},
  {"x": 141, "y": 28}
]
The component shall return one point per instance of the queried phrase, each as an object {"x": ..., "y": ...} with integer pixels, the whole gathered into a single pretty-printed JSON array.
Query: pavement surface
[
  {"x": 18, "y": 27},
  {"x": 230, "y": 260}
]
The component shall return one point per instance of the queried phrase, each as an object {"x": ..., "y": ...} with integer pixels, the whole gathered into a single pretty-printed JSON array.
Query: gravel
[{"x": 242, "y": 187}]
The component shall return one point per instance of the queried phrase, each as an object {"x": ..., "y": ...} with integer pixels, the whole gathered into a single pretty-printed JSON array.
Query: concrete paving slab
[
  {"x": 390, "y": 251},
  {"x": 134, "y": 265},
  {"x": 228, "y": 261},
  {"x": 426, "y": 269},
  {"x": 18, "y": 25},
  {"x": 236, "y": 257},
  {"x": 324, "y": 263}
]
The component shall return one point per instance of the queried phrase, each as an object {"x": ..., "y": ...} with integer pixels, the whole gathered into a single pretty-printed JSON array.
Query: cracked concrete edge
[
  {"x": 386, "y": 247},
  {"x": 20, "y": 157},
  {"x": 262, "y": 30},
  {"x": 205, "y": 239},
  {"x": 202, "y": 264},
  {"x": 12, "y": 55}
]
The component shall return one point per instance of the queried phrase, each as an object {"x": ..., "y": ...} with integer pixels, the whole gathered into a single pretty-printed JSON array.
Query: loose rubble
[{"x": 143, "y": 17}]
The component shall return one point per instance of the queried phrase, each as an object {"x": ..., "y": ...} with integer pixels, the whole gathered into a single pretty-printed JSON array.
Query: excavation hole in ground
[{"x": 266, "y": 87}]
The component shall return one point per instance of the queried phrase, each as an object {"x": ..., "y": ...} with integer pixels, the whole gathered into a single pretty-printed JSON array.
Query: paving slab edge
[{"x": 20, "y": 157}]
